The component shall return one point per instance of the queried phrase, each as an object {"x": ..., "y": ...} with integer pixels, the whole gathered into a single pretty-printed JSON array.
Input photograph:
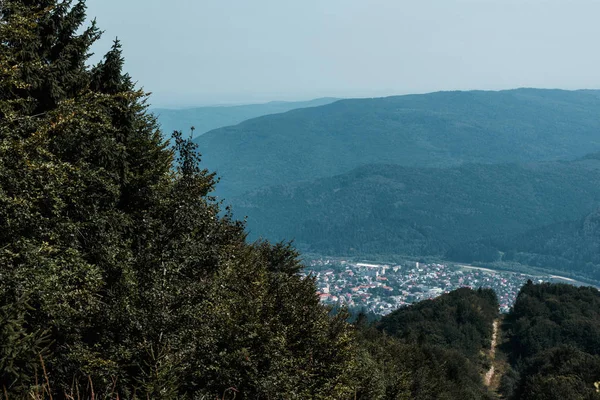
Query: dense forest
[
  {"x": 461, "y": 320},
  {"x": 553, "y": 343},
  {"x": 448, "y": 213},
  {"x": 571, "y": 247},
  {"x": 431, "y": 350},
  {"x": 120, "y": 275},
  {"x": 432, "y": 130}
]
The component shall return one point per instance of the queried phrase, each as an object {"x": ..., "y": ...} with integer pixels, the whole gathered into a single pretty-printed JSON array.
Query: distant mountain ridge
[
  {"x": 432, "y": 130},
  {"x": 205, "y": 119}
]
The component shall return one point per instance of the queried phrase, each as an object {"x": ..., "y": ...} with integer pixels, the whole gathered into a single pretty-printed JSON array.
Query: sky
[{"x": 201, "y": 52}]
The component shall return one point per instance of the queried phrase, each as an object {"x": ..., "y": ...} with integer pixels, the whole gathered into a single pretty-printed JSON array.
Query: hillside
[
  {"x": 571, "y": 246},
  {"x": 432, "y": 130},
  {"x": 205, "y": 119},
  {"x": 430, "y": 350},
  {"x": 422, "y": 211},
  {"x": 121, "y": 278},
  {"x": 553, "y": 344},
  {"x": 461, "y": 320}
]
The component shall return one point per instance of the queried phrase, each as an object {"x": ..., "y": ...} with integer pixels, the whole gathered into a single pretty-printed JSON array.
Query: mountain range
[
  {"x": 205, "y": 119},
  {"x": 432, "y": 130}
]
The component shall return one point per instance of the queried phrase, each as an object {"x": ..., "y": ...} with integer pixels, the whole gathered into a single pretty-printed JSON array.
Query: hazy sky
[{"x": 234, "y": 51}]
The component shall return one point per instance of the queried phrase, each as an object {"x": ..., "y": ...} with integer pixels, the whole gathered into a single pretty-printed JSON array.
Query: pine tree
[{"x": 117, "y": 266}]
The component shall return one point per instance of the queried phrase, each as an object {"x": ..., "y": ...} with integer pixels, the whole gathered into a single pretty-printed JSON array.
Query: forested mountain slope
[
  {"x": 120, "y": 277},
  {"x": 432, "y": 349},
  {"x": 571, "y": 246},
  {"x": 205, "y": 119},
  {"x": 419, "y": 211},
  {"x": 554, "y": 344},
  {"x": 431, "y": 130},
  {"x": 460, "y": 320}
]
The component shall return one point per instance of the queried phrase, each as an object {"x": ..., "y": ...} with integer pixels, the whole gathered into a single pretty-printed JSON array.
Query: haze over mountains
[
  {"x": 433, "y": 130},
  {"x": 204, "y": 119}
]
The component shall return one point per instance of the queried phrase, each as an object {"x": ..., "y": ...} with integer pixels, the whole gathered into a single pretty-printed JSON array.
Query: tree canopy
[
  {"x": 118, "y": 269},
  {"x": 554, "y": 343}
]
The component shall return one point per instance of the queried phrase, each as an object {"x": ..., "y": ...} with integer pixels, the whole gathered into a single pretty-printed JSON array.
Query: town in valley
[{"x": 381, "y": 288}]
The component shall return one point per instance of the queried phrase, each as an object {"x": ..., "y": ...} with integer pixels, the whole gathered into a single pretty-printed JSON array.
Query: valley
[
  {"x": 472, "y": 177},
  {"x": 379, "y": 288}
]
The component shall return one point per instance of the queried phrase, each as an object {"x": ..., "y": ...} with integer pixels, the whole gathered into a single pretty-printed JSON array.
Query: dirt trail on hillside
[{"x": 490, "y": 374}]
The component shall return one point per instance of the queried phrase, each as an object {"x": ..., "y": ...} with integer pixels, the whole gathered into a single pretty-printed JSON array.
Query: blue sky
[{"x": 194, "y": 52}]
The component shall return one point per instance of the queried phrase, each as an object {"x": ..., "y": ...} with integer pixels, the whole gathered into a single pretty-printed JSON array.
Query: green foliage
[
  {"x": 428, "y": 350},
  {"x": 122, "y": 276},
  {"x": 460, "y": 320},
  {"x": 560, "y": 373},
  {"x": 548, "y": 315},
  {"x": 432, "y": 130},
  {"x": 554, "y": 343},
  {"x": 384, "y": 209},
  {"x": 573, "y": 247},
  {"x": 20, "y": 346},
  {"x": 118, "y": 269}
]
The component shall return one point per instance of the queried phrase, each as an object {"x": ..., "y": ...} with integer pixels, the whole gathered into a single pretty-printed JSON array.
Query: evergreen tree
[
  {"x": 553, "y": 343},
  {"x": 118, "y": 269}
]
